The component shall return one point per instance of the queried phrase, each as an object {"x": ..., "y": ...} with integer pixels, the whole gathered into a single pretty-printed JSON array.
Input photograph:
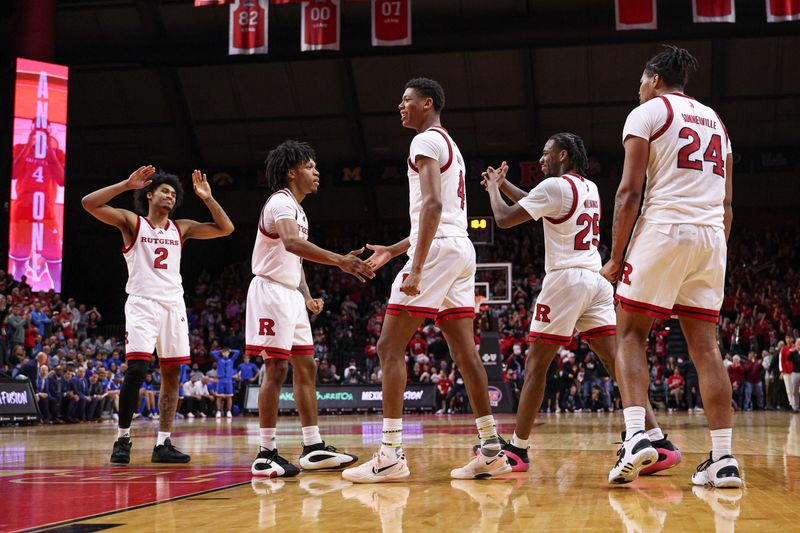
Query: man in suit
[
  {"x": 48, "y": 406},
  {"x": 80, "y": 395},
  {"x": 57, "y": 388}
]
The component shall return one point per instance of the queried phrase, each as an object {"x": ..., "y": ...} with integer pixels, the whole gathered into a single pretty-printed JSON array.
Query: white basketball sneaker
[
  {"x": 269, "y": 464},
  {"x": 325, "y": 457},
  {"x": 636, "y": 453},
  {"x": 379, "y": 469},
  {"x": 722, "y": 473},
  {"x": 483, "y": 467}
]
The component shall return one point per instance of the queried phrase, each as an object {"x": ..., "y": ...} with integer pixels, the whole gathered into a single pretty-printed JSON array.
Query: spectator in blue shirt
[
  {"x": 225, "y": 359},
  {"x": 39, "y": 318}
]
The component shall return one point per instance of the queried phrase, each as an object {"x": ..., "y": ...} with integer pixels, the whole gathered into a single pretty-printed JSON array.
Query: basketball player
[
  {"x": 574, "y": 295},
  {"x": 155, "y": 315},
  {"x": 437, "y": 282},
  {"x": 277, "y": 325},
  {"x": 675, "y": 261},
  {"x": 34, "y": 212}
]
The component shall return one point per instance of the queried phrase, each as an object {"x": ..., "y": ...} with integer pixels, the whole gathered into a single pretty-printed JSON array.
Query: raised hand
[
  {"x": 201, "y": 186},
  {"x": 381, "y": 255},
  {"x": 141, "y": 177},
  {"x": 494, "y": 176},
  {"x": 315, "y": 305}
]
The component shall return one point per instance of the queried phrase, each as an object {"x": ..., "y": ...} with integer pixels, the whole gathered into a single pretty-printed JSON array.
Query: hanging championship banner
[
  {"x": 201, "y": 3},
  {"x": 36, "y": 222},
  {"x": 320, "y": 25},
  {"x": 783, "y": 10},
  {"x": 713, "y": 11},
  {"x": 635, "y": 14},
  {"x": 391, "y": 22},
  {"x": 247, "y": 27}
]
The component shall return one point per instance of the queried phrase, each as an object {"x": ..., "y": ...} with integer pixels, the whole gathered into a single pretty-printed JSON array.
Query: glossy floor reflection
[{"x": 565, "y": 489}]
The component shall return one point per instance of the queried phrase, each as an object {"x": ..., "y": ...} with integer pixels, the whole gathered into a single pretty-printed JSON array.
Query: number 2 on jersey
[
  {"x": 161, "y": 257},
  {"x": 461, "y": 193},
  {"x": 592, "y": 223},
  {"x": 712, "y": 154}
]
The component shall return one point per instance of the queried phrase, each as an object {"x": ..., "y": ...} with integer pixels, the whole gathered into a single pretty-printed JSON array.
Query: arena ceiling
[{"x": 152, "y": 81}]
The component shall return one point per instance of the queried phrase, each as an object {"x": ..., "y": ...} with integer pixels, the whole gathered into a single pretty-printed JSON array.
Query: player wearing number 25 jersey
[{"x": 155, "y": 315}]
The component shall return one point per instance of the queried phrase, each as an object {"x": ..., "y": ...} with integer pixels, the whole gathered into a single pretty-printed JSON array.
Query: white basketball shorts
[
  {"x": 277, "y": 321},
  {"x": 674, "y": 269},
  {"x": 447, "y": 289},
  {"x": 152, "y": 325},
  {"x": 573, "y": 298}
]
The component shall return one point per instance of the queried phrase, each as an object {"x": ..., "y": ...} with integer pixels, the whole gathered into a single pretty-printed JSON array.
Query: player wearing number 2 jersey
[
  {"x": 437, "y": 282},
  {"x": 675, "y": 261},
  {"x": 574, "y": 295},
  {"x": 155, "y": 315}
]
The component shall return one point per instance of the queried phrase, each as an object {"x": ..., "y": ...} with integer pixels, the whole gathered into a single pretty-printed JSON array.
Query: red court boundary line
[{"x": 45, "y": 527}]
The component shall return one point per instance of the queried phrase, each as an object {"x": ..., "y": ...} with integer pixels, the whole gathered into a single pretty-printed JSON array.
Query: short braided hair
[
  {"x": 673, "y": 65},
  {"x": 576, "y": 150}
]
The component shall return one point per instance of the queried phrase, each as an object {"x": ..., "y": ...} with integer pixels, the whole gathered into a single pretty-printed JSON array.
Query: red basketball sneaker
[{"x": 668, "y": 456}]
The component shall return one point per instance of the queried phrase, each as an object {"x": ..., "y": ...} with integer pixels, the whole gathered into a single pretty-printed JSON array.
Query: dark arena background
[{"x": 97, "y": 88}]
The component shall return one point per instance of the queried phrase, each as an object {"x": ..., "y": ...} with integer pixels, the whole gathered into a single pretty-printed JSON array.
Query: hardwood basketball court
[{"x": 58, "y": 478}]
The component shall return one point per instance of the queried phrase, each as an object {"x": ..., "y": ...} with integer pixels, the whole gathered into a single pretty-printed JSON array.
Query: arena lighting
[{"x": 36, "y": 221}]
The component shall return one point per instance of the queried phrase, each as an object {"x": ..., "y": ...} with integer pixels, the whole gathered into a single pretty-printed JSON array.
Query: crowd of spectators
[{"x": 61, "y": 343}]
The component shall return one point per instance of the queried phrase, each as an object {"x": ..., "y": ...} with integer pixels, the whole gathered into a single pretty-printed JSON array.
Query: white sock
[
  {"x": 392, "y": 439},
  {"x": 655, "y": 434},
  {"x": 123, "y": 432},
  {"x": 634, "y": 420},
  {"x": 162, "y": 436},
  {"x": 267, "y": 438},
  {"x": 487, "y": 431},
  {"x": 518, "y": 442},
  {"x": 721, "y": 442},
  {"x": 311, "y": 435}
]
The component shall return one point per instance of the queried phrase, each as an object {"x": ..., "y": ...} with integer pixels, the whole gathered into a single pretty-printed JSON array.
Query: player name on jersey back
[
  {"x": 154, "y": 262},
  {"x": 686, "y": 172}
]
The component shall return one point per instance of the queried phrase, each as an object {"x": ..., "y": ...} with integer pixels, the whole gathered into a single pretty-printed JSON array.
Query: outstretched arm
[
  {"x": 350, "y": 263},
  {"x": 384, "y": 254},
  {"x": 506, "y": 216},
  {"x": 96, "y": 203},
  {"x": 222, "y": 225},
  {"x": 626, "y": 205},
  {"x": 511, "y": 191}
]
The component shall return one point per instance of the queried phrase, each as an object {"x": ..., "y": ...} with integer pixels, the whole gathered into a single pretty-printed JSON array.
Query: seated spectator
[
  {"x": 326, "y": 374},
  {"x": 352, "y": 376},
  {"x": 572, "y": 401},
  {"x": 676, "y": 385}
]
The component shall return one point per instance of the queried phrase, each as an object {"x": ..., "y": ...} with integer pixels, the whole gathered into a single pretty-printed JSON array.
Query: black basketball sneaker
[
  {"x": 517, "y": 457},
  {"x": 121, "y": 455},
  {"x": 269, "y": 464},
  {"x": 167, "y": 453}
]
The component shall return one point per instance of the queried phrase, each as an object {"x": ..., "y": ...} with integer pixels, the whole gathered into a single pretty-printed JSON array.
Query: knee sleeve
[{"x": 129, "y": 394}]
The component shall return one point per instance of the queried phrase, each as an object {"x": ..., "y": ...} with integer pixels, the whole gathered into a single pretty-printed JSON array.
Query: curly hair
[
  {"x": 159, "y": 178},
  {"x": 283, "y": 158},
  {"x": 673, "y": 65},
  {"x": 429, "y": 89},
  {"x": 576, "y": 150}
]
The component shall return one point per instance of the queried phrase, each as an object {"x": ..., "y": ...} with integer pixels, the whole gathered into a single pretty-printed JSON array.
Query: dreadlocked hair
[
  {"x": 429, "y": 89},
  {"x": 576, "y": 150},
  {"x": 283, "y": 158},
  {"x": 673, "y": 65},
  {"x": 140, "y": 202}
]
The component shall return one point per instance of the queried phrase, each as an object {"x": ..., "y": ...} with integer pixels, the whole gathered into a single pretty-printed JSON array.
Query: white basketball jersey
[
  {"x": 689, "y": 146},
  {"x": 270, "y": 258},
  {"x": 437, "y": 144},
  {"x": 570, "y": 207},
  {"x": 154, "y": 262}
]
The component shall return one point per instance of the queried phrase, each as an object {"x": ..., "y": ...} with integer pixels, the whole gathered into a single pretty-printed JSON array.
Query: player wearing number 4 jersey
[
  {"x": 574, "y": 295},
  {"x": 675, "y": 261},
  {"x": 437, "y": 282},
  {"x": 155, "y": 315},
  {"x": 278, "y": 301}
]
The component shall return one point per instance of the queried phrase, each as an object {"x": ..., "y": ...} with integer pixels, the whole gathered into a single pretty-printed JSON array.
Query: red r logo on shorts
[
  {"x": 626, "y": 272},
  {"x": 541, "y": 313},
  {"x": 265, "y": 326}
]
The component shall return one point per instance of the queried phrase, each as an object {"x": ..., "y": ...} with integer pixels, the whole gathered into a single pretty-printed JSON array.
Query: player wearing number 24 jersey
[
  {"x": 675, "y": 260},
  {"x": 155, "y": 315}
]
